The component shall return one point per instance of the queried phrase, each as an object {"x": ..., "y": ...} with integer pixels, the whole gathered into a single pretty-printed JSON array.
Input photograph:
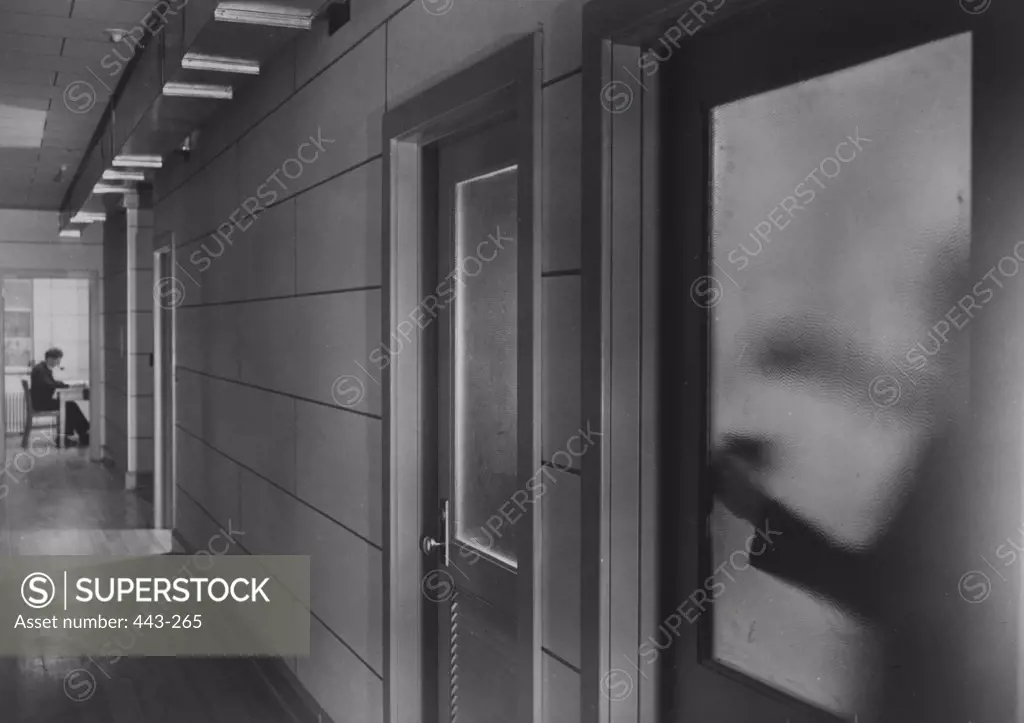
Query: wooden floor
[
  {"x": 88, "y": 542},
  {"x": 63, "y": 504},
  {"x": 47, "y": 488},
  {"x": 137, "y": 690}
]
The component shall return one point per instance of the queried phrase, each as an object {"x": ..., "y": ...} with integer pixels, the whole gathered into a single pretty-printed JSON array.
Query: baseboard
[
  {"x": 300, "y": 705},
  {"x": 107, "y": 458},
  {"x": 138, "y": 480},
  {"x": 176, "y": 536},
  {"x": 293, "y": 695}
]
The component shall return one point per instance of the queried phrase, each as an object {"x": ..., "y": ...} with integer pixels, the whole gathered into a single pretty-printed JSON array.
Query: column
[{"x": 139, "y": 341}]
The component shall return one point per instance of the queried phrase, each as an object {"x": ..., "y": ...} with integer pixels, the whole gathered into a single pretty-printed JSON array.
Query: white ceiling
[{"x": 46, "y": 118}]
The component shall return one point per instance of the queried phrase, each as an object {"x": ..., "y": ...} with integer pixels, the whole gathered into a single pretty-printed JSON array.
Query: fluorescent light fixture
[
  {"x": 109, "y": 188},
  {"x": 70, "y": 233},
  {"x": 220, "y": 64},
  {"x": 275, "y": 16},
  {"x": 88, "y": 217},
  {"x": 115, "y": 175},
  {"x": 197, "y": 90},
  {"x": 138, "y": 162}
]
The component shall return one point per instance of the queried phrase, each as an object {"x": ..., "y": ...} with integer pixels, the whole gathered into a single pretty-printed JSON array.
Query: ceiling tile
[
  {"x": 19, "y": 102},
  {"x": 46, "y": 201},
  {"x": 34, "y": 44},
  {"x": 97, "y": 80},
  {"x": 56, "y": 8},
  {"x": 49, "y": 172},
  {"x": 27, "y": 77},
  {"x": 68, "y": 131},
  {"x": 47, "y": 188},
  {"x": 54, "y": 156},
  {"x": 84, "y": 96},
  {"x": 61, "y": 117},
  {"x": 30, "y": 91},
  {"x": 16, "y": 180},
  {"x": 13, "y": 198},
  {"x": 92, "y": 50},
  {"x": 69, "y": 135},
  {"x": 77, "y": 145},
  {"x": 53, "y": 27},
  {"x": 117, "y": 11},
  {"x": 19, "y": 157},
  {"x": 63, "y": 140},
  {"x": 32, "y": 61}
]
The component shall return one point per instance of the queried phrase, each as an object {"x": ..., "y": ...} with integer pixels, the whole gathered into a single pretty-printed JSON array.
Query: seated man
[{"x": 43, "y": 388}]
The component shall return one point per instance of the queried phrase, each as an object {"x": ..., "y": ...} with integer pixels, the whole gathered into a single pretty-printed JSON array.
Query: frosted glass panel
[
  {"x": 840, "y": 237},
  {"x": 486, "y": 382}
]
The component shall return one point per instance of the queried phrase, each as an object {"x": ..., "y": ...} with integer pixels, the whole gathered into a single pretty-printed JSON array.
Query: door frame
[
  {"x": 619, "y": 531},
  {"x": 164, "y": 519},
  {"x": 508, "y": 80},
  {"x": 97, "y": 394}
]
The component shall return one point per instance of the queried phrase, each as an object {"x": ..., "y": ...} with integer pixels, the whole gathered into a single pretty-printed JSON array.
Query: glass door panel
[{"x": 485, "y": 362}]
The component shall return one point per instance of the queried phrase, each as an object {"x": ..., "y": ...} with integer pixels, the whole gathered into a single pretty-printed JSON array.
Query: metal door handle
[{"x": 428, "y": 544}]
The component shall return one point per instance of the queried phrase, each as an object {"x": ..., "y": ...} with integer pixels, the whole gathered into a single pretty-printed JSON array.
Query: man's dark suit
[{"x": 43, "y": 387}]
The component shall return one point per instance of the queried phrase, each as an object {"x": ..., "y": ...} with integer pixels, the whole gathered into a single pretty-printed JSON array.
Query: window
[{"x": 17, "y": 324}]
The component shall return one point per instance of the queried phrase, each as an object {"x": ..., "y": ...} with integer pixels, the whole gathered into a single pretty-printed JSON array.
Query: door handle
[{"x": 428, "y": 544}]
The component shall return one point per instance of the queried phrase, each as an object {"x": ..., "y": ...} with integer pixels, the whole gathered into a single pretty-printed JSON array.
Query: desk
[{"x": 74, "y": 392}]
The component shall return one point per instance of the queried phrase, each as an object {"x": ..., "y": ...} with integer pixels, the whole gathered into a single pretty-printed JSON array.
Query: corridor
[{"x": 512, "y": 361}]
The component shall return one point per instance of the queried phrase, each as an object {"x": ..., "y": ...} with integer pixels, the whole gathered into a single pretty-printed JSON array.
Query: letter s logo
[{"x": 38, "y": 590}]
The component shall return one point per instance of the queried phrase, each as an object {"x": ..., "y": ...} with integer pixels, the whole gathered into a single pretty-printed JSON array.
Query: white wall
[{"x": 30, "y": 241}]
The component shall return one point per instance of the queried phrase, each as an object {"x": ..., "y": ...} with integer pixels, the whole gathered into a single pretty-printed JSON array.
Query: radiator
[{"x": 14, "y": 402}]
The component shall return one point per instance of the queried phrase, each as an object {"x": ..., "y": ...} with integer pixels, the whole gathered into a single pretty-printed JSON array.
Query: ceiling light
[
  {"x": 197, "y": 90},
  {"x": 116, "y": 35},
  {"x": 88, "y": 217},
  {"x": 260, "y": 14},
  {"x": 129, "y": 161},
  {"x": 109, "y": 188},
  {"x": 70, "y": 233},
  {"x": 115, "y": 175},
  {"x": 220, "y": 64}
]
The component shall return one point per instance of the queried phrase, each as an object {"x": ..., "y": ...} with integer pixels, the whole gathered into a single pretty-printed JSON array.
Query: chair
[{"x": 31, "y": 415}]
